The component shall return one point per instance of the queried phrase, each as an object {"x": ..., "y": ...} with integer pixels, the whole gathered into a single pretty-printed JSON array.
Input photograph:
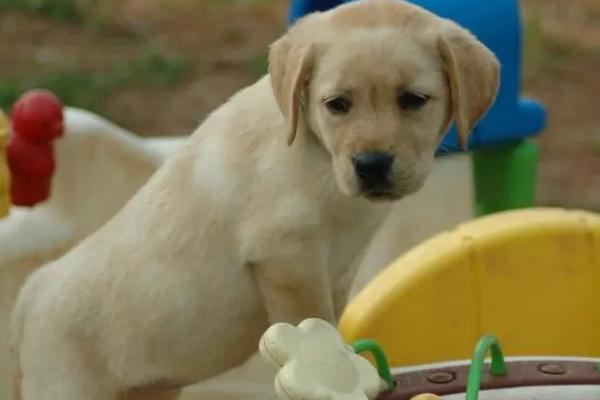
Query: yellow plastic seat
[{"x": 531, "y": 277}]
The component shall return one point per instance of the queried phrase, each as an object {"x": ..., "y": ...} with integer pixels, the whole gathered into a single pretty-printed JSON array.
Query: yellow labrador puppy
[{"x": 262, "y": 215}]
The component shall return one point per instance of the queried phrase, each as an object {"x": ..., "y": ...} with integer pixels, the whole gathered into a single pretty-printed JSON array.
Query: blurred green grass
[
  {"x": 259, "y": 64},
  {"x": 61, "y": 10},
  {"x": 88, "y": 90}
]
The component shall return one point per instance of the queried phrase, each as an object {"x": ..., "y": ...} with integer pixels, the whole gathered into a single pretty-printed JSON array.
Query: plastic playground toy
[
  {"x": 27, "y": 151},
  {"x": 313, "y": 363},
  {"x": 528, "y": 276}
]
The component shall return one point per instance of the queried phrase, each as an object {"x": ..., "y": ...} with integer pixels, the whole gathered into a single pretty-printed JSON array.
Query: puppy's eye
[
  {"x": 412, "y": 100},
  {"x": 338, "y": 105}
]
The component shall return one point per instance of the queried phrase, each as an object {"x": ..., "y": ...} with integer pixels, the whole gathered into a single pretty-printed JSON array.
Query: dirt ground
[
  {"x": 225, "y": 41},
  {"x": 562, "y": 61}
]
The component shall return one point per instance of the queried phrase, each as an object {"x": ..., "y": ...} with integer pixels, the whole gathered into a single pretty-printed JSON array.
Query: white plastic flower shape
[{"x": 314, "y": 363}]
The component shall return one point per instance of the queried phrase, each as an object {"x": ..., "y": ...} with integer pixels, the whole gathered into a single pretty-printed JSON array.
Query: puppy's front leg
[
  {"x": 296, "y": 286},
  {"x": 293, "y": 300}
]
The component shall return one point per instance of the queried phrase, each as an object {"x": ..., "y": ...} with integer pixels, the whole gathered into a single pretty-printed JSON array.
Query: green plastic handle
[
  {"x": 383, "y": 367},
  {"x": 498, "y": 367}
]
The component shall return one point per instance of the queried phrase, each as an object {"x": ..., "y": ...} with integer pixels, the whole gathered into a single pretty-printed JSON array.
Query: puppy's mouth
[{"x": 381, "y": 195}]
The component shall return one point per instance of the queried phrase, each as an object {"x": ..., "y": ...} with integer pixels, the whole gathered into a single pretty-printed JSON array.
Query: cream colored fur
[
  {"x": 99, "y": 167},
  {"x": 237, "y": 229}
]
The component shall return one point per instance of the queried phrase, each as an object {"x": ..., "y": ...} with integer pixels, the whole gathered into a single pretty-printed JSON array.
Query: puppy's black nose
[{"x": 373, "y": 168}]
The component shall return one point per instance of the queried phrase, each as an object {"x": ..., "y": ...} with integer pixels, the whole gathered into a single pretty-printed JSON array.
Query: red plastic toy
[{"x": 36, "y": 122}]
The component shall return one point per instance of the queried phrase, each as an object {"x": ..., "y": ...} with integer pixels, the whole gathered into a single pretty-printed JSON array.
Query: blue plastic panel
[{"x": 497, "y": 23}]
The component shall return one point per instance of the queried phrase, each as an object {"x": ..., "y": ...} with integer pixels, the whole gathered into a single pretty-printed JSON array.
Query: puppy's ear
[
  {"x": 289, "y": 69},
  {"x": 473, "y": 74}
]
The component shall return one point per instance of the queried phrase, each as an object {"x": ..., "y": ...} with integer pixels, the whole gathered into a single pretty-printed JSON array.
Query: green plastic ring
[{"x": 383, "y": 367}]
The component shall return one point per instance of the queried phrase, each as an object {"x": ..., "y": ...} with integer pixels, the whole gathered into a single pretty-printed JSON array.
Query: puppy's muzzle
[{"x": 373, "y": 170}]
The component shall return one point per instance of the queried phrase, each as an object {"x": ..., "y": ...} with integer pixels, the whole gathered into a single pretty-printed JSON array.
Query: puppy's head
[{"x": 378, "y": 82}]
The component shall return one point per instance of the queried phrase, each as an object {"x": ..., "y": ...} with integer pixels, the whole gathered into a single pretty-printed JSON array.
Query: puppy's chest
[{"x": 350, "y": 234}]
